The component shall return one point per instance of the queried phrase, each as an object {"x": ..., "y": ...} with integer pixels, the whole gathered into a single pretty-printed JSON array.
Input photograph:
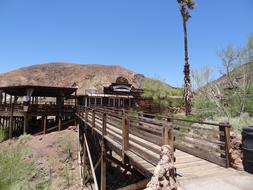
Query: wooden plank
[
  {"x": 209, "y": 157},
  {"x": 198, "y": 144},
  {"x": 144, "y": 135},
  {"x": 141, "y": 165}
]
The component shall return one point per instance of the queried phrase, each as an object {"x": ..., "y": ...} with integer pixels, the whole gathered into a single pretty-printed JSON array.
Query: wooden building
[
  {"x": 120, "y": 94},
  {"x": 29, "y": 108}
]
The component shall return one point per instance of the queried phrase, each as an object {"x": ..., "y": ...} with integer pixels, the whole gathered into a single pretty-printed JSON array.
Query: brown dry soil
[{"x": 55, "y": 156}]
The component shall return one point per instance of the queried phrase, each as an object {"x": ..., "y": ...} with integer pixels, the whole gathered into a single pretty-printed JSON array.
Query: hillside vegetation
[{"x": 229, "y": 98}]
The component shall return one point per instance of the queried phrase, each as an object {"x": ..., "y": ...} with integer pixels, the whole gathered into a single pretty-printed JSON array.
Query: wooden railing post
[
  {"x": 86, "y": 115},
  {"x": 25, "y": 125},
  {"x": 83, "y": 111},
  {"x": 44, "y": 124},
  {"x": 125, "y": 134},
  {"x": 224, "y": 129},
  {"x": 104, "y": 125},
  {"x": 93, "y": 119},
  {"x": 168, "y": 136}
]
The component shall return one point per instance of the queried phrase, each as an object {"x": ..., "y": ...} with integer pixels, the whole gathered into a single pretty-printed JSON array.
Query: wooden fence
[{"x": 144, "y": 135}]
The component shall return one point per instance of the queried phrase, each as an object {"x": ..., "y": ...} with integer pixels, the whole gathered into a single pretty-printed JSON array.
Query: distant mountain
[
  {"x": 238, "y": 76},
  {"x": 86, "y": 76}
]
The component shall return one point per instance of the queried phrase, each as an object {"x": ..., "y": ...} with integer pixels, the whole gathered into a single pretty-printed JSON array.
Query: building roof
[{"x": 41, "y": 91}]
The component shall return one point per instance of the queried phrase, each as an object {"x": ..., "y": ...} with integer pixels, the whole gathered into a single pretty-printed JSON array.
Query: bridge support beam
[{"x": 103, "y": 155}]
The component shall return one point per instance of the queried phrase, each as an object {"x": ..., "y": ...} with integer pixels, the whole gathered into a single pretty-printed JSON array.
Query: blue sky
[{"x": 145, "y": 36}]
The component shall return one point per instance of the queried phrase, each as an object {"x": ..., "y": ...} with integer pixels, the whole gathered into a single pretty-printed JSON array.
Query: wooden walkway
[{"x": 138, "y": 140}]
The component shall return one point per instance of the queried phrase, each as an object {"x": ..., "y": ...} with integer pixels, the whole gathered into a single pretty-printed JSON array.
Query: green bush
[
  {"x": 203, "y": 107},
  {"x": 3, "y": 134},
  {"x": 17, "y": 168},
  {"x": 249, "y": 102}
]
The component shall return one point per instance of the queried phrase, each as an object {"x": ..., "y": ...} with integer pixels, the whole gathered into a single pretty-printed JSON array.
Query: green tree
[
  {"x": 185, "y": 7},
  {"x": 232, "y": 95},
  {"x": 159, "y": 91}
]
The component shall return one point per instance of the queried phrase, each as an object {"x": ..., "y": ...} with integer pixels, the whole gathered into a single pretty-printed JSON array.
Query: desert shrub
[
  {"x": 249, "y": 102},
  {"x": 176, "y": 102},
  {"x": 132, "y": 113},
  {"x": 3, "y": 134},
  {"x": 159, "y": 91},
  {"x": 15, "y": 169},
  {"x": 237, "y": 123},
  {"x": 203, "y": 107}
]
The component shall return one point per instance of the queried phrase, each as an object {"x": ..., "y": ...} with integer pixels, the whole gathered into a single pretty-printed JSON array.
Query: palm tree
[{"x": 185, "y": 7}]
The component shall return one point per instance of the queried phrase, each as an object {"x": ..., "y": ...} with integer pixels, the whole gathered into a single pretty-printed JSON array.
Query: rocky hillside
[
  {"x": 87, "y": 77},
  {"x": 238, "y": 76}
]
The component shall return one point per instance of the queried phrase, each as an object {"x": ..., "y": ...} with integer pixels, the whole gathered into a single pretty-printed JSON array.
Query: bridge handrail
[{"x": 212, "y": 144}]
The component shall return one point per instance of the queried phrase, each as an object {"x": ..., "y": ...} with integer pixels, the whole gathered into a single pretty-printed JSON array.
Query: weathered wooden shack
[{"x": 28, "y": 108}]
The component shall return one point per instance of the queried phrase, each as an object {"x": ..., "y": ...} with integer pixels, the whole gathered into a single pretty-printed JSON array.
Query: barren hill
[{"x": 87, "y": 77}]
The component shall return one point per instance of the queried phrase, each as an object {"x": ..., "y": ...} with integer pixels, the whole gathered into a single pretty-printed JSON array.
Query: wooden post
[
  {"x": 11, "y": 117},
  {"x": 125, "y": 135},
  {"x": 84, "y": 160},
  {"x": 5, "y": 98},
  {"x": 225, "y": 137},
  {"x": 86, "y": 115},
  {"x": 75, "y": 99},
  {"x": 103, "y": 166},
  {"x": 168, "y": 135},
  {"x": 83, "y": 152},
  {"x": 104, "y": 125},
  {"x": 82, "y": 109},
  {"x": 59, "y": 122},
  {"x": 45, "y": 124},
  {"x": 93, "y": 119},
  {"x": 25, "y": 123},
  {"x": 41, "y": 123}
]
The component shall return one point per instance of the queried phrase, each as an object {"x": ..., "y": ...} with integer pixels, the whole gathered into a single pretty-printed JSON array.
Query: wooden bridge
[{"x": 202, "y": 148}]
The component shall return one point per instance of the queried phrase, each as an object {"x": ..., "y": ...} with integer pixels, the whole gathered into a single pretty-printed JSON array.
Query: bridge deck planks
[{"x": 192, "y": 167}]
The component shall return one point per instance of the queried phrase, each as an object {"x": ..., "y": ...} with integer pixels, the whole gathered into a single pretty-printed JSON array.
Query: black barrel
[{"x": 247, "y": 147}]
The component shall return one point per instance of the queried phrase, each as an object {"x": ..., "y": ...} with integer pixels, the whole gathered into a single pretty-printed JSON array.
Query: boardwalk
[{"x": 142, "y": 150}]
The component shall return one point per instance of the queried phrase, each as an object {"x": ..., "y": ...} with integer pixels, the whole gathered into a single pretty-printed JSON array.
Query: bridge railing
[
  {"x": 144, "y": 135},
  {"x": 207, "y": 140},
  {"x": 140, "y": 135}
]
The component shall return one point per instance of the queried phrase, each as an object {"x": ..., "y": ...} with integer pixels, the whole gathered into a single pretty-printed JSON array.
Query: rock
[
  {"x": 164, "y": 177},
  {"x": 235, "y": 151}
]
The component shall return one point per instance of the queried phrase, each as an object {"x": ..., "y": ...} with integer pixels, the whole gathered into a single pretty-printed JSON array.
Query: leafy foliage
[
  {"x": 230, "y": 97},
  {"x": 203, "y": 107},
  {"x": 15, "y": 170},
  {"x": 160, "y": 92}
]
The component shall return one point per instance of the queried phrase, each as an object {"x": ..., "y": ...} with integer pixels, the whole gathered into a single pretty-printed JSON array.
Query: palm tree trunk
[{"x": 187, "y": 79}]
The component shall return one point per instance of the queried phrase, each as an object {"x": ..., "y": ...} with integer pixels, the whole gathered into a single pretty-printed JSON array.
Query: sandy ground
[{"x": 56, "y": 158}]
